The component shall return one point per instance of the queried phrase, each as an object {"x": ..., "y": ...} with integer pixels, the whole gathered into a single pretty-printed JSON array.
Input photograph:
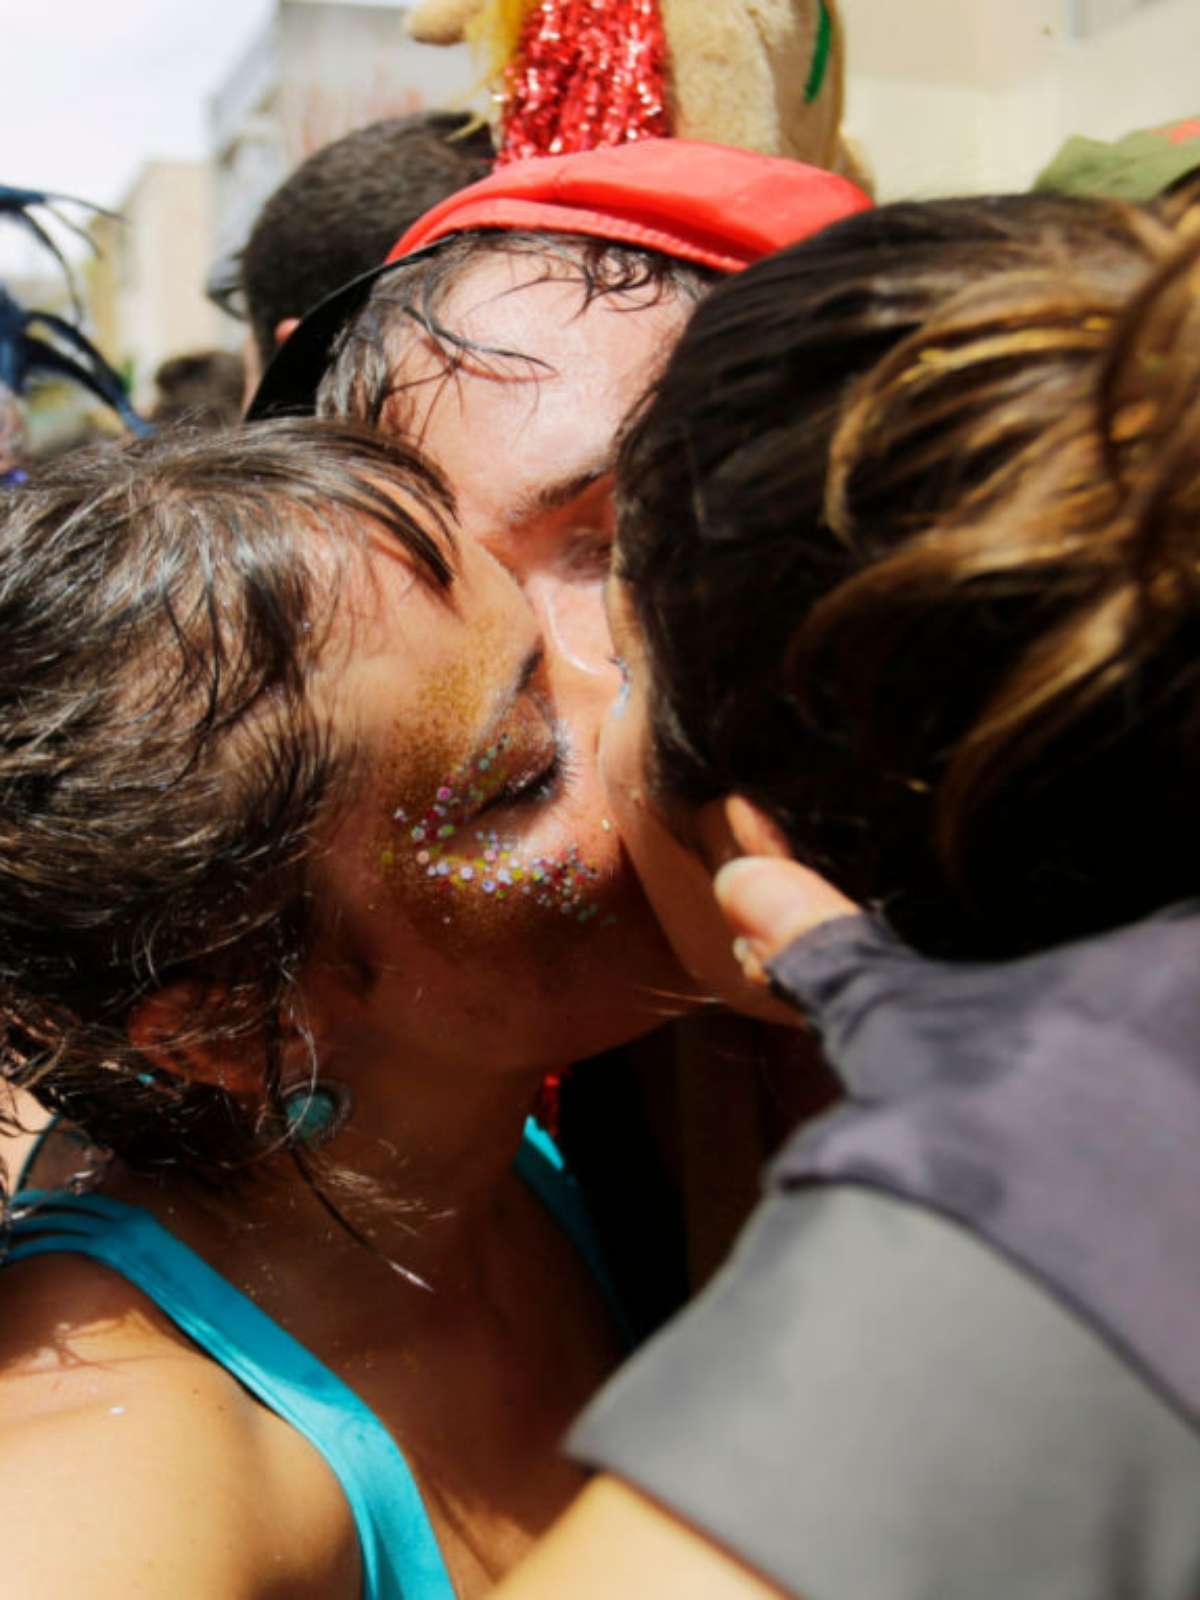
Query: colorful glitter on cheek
[{"x": 457, "y": 859}]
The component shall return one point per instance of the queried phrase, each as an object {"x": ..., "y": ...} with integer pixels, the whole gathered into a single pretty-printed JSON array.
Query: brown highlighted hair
[
  {"x": 911, "y": 526},
  {"x": 162, "y": 773}
]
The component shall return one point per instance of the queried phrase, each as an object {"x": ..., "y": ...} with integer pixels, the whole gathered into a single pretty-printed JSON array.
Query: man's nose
[{"x": 574, "y": 624}]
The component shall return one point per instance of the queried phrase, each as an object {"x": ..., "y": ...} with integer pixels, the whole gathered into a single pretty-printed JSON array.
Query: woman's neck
[
  {"x": 422, "y": 1170},
  {"x": 475, "y": 1382},
  {"x": 433, "y": 1157}
]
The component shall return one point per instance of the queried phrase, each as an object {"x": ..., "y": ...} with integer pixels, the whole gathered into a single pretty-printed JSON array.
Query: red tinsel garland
[{"x": 587, "y": 73}]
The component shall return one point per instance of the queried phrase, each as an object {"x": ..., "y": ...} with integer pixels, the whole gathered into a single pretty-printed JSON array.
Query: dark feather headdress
[{"x": 41, "y": 344}]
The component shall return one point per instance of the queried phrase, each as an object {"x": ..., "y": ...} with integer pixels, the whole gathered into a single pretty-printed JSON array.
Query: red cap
[{"x": 708, "y": 203}]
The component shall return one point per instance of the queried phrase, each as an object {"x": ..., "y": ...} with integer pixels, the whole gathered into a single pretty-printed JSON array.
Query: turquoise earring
[{"x": 315, "y": 1112}]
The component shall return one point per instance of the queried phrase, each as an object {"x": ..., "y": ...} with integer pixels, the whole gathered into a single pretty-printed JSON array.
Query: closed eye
[
  {"x": 587, "y": 554},
  {"x": 546, "y": 779}
]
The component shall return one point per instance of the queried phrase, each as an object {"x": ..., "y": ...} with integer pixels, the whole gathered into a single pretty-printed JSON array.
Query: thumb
[{"x": 768, "y": 902}]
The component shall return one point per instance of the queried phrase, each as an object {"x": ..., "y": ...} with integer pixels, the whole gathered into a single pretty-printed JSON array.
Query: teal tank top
[{"x": 401, "y": 1559}]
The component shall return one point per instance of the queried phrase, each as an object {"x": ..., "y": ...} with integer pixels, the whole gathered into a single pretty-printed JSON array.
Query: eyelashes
[
  {"x": 550, "y": 780},
  {"x": 588, "y": 555},
  {"x": 527, "y": 789}
]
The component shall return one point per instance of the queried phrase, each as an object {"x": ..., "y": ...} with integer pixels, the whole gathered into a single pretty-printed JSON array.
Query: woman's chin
[{"x": 631, "y": 978}]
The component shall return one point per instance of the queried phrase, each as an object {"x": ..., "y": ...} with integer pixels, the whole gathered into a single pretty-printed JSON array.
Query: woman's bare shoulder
[{"x": 132, "y": 1464}]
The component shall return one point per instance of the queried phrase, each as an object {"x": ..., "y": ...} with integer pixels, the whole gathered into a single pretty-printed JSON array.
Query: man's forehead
[
  {"x": 512, "y": 326},
  {"x": 502, "y": 319},
  {"x": 541, "y": 296},
  {"x": 519, "y": 401}
]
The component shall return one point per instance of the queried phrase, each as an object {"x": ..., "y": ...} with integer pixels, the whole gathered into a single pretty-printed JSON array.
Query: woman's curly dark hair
[{"x": 162, "y": 772}]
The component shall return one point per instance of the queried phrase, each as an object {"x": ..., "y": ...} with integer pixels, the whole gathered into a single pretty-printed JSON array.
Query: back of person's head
[
  {"x": 162, "y": 769},
  {"x": 337, "y": 215},
  {"x": 202, "y": 387},
  {"x": 911, "y": 528}
]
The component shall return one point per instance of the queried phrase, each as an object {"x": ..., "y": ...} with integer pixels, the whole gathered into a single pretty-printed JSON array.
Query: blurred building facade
[
  {"x": 944, "y": 96},
  {"x": 318, "y": 69},
  {"x": 146, "y": 286},
  {"x": 975, "y": 96}
]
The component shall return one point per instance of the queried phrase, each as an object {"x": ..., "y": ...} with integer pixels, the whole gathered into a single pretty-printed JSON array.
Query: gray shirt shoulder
[{"x": 870, "y": 1404}]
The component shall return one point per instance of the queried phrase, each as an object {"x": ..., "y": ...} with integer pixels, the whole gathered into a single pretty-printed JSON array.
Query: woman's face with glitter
[{"x": 471, "y": 888}]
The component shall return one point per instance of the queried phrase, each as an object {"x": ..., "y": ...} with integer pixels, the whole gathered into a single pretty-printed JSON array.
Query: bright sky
[{"x": 92, "y": 88}]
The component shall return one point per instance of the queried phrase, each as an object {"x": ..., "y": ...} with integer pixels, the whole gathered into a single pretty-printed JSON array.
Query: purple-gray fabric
[
  {"x": 1051, "y": 1105},
  {"x": 955, "y": 1354}
]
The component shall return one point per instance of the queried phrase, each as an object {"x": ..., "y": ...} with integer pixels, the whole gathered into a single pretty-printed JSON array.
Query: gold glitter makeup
[{"x": 457, "y": 857}]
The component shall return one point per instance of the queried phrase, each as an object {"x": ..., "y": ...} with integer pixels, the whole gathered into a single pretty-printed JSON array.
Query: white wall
[
  {"x": 166, "y": 250},
  {"x": 957, "y": 96},
  {"x": 319, "y": 69}
]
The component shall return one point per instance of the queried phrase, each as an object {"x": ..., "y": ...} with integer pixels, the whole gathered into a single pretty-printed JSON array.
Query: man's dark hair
[
  {"x": 203, "y": 387},
  {"x": 408, "y": 300},
  {"x": 340, "y": 212},
  {"x": 162, "y": 769}
]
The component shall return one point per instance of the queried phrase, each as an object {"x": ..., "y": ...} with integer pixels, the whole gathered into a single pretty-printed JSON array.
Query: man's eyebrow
[{"x": 547, "y": 497}]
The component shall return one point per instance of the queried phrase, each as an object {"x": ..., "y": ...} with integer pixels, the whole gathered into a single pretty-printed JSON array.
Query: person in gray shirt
[{"x": 906, "y": 593}]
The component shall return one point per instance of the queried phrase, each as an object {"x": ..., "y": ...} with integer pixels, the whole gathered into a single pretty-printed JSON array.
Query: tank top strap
[
  {"x": 540, "y": 1164},
  {"x": 400, "y": 1554}
]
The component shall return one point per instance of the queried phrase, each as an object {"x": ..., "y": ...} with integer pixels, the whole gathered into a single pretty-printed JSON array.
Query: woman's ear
[
  {"x": 735, "y": 826},
  {"x": 766, "y": 896},
  {"x": 168, "y": 1028},
  {"x": 755, "y": 833}
]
